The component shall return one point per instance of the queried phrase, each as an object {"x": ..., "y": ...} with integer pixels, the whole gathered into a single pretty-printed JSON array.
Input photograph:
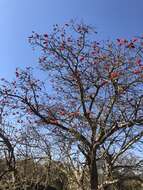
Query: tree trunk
[{"x": 93, "y": 172}]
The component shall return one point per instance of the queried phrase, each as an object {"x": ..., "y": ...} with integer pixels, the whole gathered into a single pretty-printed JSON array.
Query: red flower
[
  {"x": 138, "y": 62},
  {"x": 107, "y": 67},
  {"x": 94, "y": 62},
  {"x": 134, "y": 40},
  {"x": 93, "y": 52},
  {"x": 114, "y": 75},
  {"x": 54, "y": 121},
  {"x": 62, "y": 47},
  {"x": 137, "y": 71},
  {"x": 131, "y": 45},
  {"x": 82, "y": 58},
  {"x": 62, "y": 113},
  {"x": 74, "y": 114}
]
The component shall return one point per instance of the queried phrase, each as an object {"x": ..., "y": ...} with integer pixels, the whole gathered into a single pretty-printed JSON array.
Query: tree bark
[{"x": 93, "y": 172}]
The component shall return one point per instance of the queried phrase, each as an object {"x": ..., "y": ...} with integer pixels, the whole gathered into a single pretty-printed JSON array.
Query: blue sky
[{"x": 18, "y": 18}]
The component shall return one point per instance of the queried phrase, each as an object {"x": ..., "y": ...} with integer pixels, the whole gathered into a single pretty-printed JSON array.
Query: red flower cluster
[
  {"x": 131, "y": 45},
  {"x": 114, "y": 75},
  {"x": 134, "y": 40},
  {"x": 137, "y": 71},
  {"x": 54, "y": 121},
  {"x": 138, "y": 62},
  {"x": 82, "y": 58}
]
